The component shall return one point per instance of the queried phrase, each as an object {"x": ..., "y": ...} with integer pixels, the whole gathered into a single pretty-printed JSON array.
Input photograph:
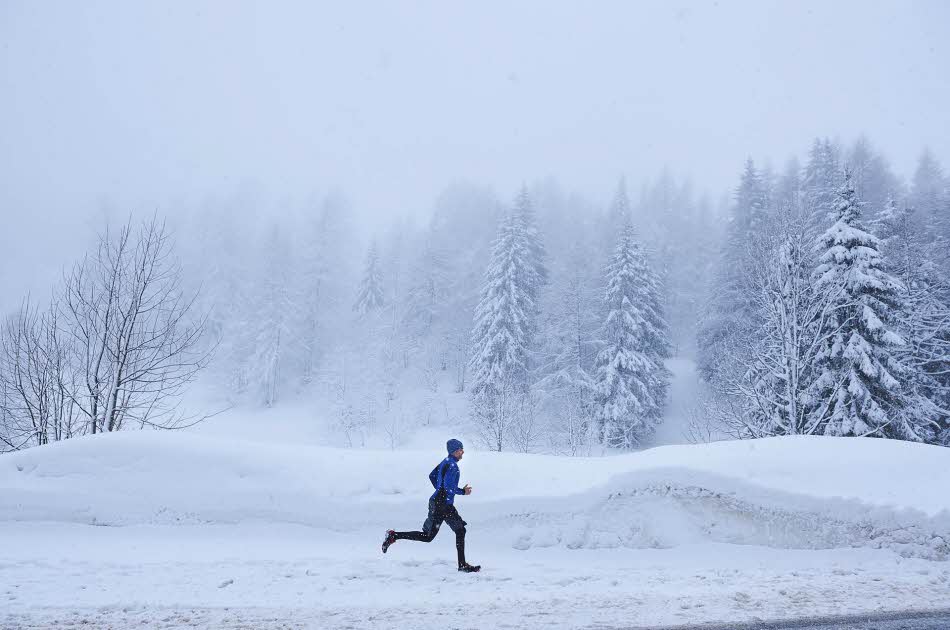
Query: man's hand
[{"x": 467, "y": 489}]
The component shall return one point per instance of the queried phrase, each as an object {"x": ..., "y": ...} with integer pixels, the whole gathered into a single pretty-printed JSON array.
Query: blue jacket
[{"x": 445, "y": 476}]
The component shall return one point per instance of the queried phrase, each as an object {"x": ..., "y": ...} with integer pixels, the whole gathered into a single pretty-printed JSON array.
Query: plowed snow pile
[{"x": 808, "y": 492}]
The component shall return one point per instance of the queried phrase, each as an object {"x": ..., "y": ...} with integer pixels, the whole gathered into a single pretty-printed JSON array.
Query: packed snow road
[
  {"x": 286, "y": 576},
  {"x": 935, "y": 620},
  {"x": 243, "y": 619},
  {"x": 168, "y": 531}
]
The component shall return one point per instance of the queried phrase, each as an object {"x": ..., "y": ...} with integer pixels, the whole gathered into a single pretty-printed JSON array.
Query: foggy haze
[{"x": 156, "y": 106}]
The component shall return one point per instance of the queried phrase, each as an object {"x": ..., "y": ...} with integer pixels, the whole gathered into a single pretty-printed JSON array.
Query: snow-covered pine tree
[
  {"x": 568, "y": 348},
  {"x": 537, "y": 256},
  {"x": 427, "y": 296},
  {"x": 218, "y": 269},
  {"x": 929, "y": 198},
  {"x": 618, "y": 215},
  {"x": 683, "y": 234},
  {"x": 463, "y": 228},
  {"x": 751, "y": 203},
  {"x": 268, "y": 322},
  {"x": 874, "y": 183},
  {"x": 370, "y": 297},
  {"x": 630, "y": 376},
  {"x": 323, "y": 279},
  {"x": 900, "y": 238},
  {"x": 787, "y": 196},
  {"x": 820, "y": 181},
  {"x": 505, "y": 323},
  {"x": 924, "y": 320},
  {"x": 396, "y": 263},
  {"x": 863, "y": 387},
  {"x": 729, "y": 314}
]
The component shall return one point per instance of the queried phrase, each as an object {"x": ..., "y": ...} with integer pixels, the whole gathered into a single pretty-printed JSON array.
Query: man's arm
[
  {"x": 452, "y": 482},
  {"x": 434, "y": 476}
]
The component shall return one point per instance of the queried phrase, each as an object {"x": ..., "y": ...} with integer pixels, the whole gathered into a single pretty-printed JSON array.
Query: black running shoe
[
  {"x": 470, "y": 568},
  {"x": 390, "y": 539}
]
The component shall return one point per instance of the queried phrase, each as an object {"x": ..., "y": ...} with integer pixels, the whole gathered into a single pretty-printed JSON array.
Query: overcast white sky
[{"x": 140, "y": 105}]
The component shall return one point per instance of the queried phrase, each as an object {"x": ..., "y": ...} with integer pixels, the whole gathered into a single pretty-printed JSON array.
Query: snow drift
[{"x": 793, "y": 492}]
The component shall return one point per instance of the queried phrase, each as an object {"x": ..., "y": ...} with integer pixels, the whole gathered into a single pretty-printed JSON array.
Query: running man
[{"x": 445, "y": 479}]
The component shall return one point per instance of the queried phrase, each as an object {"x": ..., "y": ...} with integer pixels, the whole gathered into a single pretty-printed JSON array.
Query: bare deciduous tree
[
  {"x": 506, "y": 413},
  {"x": 37, "y": 381},
  {"x": 526, "y": 427},
  {"x": 134, "y": 340}
]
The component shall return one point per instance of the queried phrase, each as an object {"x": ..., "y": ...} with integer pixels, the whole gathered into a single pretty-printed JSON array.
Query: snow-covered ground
[{"x": 180, "y": 529}]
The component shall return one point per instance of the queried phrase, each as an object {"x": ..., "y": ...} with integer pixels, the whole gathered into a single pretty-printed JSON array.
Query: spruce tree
[
  {"x": 618, "y": 214},
  {"x": 268, "y": 327},
  {"x": 874, "y": 183},
  {"x": 924, "y": 320},
  {"x": 429, "y": 291},
  {"x": 631, "y": 379},
  {"x": 506, "y": 311},
  {"x": 751, "y": 202},
  {"x": 729, "y": 313},
  {"x": 370, "y": 297},
  {"x": 820, "y": 182},
  {"x": 568, "y": 347},
  {"x": 536, "y": 254},
  {"x": 930, "y": 199},
  {"x": 506, "y": 323},
  {"x": 788, "y": 187},
  {"x": 863, "y": 386},
  {"x": 324, "y": 279}
]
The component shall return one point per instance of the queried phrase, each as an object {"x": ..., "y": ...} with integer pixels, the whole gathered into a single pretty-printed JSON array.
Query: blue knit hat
[{"x": 453, "y": 445}]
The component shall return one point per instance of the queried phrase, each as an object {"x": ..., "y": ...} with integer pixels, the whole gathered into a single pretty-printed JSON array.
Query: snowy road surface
[
  {"x": 270, "y": 576},
  {"x": 173, "y": 531},
  {"x": 238, "y": 618},
  {"x": 939, "y": 620}
]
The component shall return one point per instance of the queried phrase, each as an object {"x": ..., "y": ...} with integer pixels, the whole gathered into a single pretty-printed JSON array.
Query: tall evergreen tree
[
  {"x": 370, "y": 297},
  {"x": 537, "y": 256},
  {"x": 619, "y": 213},
  {"x": 463, "y": 228},
  {"x": 323, "y": 277},
  {"x": 863, "y": 386},
  {"x": 929, "y": 197},
  {"x": 751, "y": 203},
  {"x": 631, "y": 378},
  {"x": 820, "y": 182},
  {"x": 730, "y": 313},
  {"x": 788, "y": 187},
  {"x": 506, "y": 312},
  {"x": 506, "y": 322},
  {"x": 269, "y": 323},
  {"x": 874, "y": 183},
  {"x": 568, "y": 347},
  {"x": 924, "y": 320},
  {"x": 428, "y": 292}
]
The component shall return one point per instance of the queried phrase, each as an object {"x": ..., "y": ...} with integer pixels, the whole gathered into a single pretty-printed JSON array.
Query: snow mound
[
  {"x": 795, "y": 492},
  {"x": 669, "y": 509}
]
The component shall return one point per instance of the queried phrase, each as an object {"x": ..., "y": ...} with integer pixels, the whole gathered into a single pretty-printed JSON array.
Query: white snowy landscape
[
  {"x": 239, "y": 533},
  {"x": 666, "y": 284}
]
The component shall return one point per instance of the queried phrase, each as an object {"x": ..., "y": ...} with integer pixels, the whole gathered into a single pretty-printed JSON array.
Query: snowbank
[{"x": 793, "y": 492}]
